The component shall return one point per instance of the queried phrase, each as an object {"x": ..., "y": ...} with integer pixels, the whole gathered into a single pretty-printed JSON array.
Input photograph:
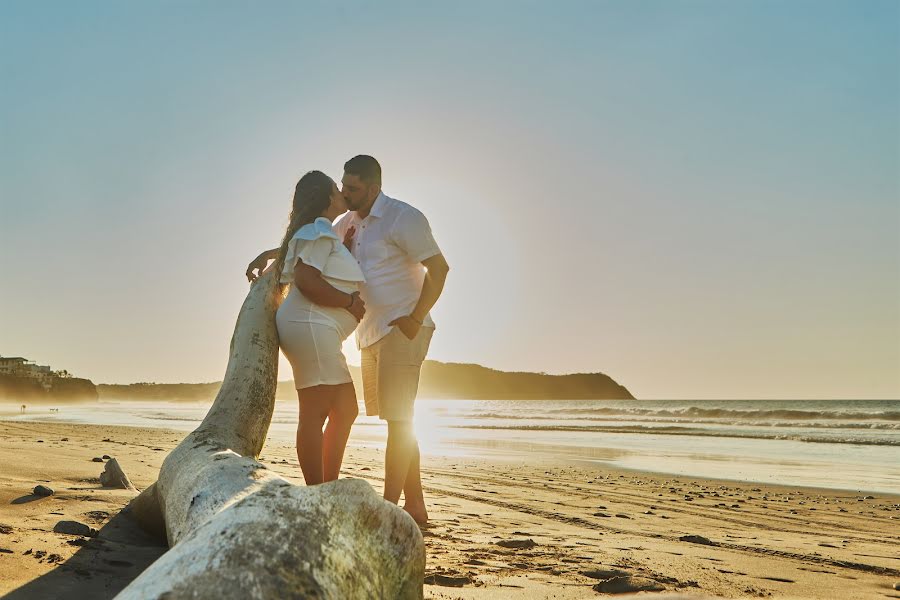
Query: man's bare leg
[
  {"x": 413, "y": 497},
  {"x": 401, "y": 446}
]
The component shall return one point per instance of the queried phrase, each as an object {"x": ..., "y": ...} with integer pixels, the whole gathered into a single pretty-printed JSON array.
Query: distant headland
[
  {"x": 23, "y": 380},
  {"x": 439, "y": 380}
]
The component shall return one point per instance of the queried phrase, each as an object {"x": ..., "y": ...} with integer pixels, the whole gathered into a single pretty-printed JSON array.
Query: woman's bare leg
[
  {"x": 344, "y": 410},
  {"x": 314, "y": 405}
]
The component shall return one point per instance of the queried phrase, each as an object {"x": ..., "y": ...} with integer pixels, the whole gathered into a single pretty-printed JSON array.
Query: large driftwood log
[{"x": 237, "y": 530}]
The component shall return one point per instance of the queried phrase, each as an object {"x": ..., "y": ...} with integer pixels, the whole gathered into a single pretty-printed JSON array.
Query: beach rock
[
  {"x": 697, "y": 539},
  {"x": 518, "y": 544},
  {"x": 74, "y": 528},
  {"x": 106, "y": 457},
  {"x": 42, "y": 490},
  {"x": 97, "y": 459},
  {"x": 627, "y": 584},
  {"x": 113, "y": 476},
  {"x": 603, "y": 573}
]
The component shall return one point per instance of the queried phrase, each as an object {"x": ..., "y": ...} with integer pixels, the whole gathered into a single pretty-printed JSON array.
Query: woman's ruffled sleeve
[{"x": 313, "y": 245}]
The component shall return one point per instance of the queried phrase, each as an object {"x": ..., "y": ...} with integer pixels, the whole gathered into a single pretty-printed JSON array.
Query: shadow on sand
[
  {"x": 102, "y": 566},
  {"x": 26, "y": 498}
]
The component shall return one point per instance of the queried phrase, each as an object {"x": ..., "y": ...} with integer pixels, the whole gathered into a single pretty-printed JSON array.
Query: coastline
[
  {"x": 663, "y": 437},
  {"x": 769, "y": 540}
]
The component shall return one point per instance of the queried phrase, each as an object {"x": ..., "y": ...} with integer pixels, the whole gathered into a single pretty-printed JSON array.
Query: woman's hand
[
  {"x": 259, "y": 264},
  {"x": 348, "y": 236},
  {"x": 357, "y": 306}
]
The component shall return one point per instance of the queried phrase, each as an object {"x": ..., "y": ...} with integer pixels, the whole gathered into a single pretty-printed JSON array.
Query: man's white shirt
[{"x": 390, "y": 245}]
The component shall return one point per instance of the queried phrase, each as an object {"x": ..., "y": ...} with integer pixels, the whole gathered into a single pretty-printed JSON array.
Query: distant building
[{"x": 22, "y": 367}]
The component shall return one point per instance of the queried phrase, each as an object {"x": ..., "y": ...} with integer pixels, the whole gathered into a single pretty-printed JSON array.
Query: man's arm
[
  {"x": 435, "y": 277},
  {"x": 259, "y": 263}
]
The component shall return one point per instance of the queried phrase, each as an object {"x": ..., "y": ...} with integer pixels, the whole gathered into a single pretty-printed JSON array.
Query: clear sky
[{"x": 699, "y": 198}]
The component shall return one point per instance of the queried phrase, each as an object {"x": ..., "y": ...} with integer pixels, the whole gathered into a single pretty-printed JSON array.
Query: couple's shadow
[{"x": 103, "y": 565}]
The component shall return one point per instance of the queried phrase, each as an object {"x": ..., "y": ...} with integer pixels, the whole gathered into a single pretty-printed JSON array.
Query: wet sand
[{"x": 499, "y": 528}]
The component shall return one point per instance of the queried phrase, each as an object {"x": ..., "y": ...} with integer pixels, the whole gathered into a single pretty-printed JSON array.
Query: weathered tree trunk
[{"x": 237, "y": 530}]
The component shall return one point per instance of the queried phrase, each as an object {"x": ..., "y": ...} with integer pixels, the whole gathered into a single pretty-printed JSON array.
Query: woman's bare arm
[{"x": 311, "y": 284}]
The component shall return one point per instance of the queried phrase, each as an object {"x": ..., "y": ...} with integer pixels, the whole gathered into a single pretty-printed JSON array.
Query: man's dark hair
[{"x": 365, "y": 167}]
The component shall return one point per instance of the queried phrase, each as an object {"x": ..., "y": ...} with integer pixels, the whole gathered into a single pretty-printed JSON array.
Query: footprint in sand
[
  {"x": 624, "y": 585},
  {"x": 517, "y": 544}
]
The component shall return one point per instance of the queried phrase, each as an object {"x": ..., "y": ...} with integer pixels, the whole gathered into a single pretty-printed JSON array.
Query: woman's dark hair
[{"x": 311, "y": 197}]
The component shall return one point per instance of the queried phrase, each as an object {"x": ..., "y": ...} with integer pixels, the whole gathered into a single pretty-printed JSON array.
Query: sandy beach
[{"x": 499, "y": 529}]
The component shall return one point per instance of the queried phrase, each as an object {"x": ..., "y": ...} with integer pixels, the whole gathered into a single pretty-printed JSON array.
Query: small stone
[
  {"x": 113, "y": 476},
  {"x": 42, "y": 490},
  {"x": 97, "y": 459},
  {"x": 897, "y": 586},
  {"x": 64, "y": 440},
  {"x": 869, "y": 498},
  {"x": 106, "y": 457},
  {"x": 74, "y": 528}
]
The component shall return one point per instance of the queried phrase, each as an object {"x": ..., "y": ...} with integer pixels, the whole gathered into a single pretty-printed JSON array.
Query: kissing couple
[{"x": 377, "y": 271}]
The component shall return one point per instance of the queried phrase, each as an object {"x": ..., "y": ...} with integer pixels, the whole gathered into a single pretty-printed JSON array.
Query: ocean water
[{"x": 837, "y": 444}]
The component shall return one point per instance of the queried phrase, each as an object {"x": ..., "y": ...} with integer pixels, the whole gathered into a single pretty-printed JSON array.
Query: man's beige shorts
[{"x": 390, "y": 373}]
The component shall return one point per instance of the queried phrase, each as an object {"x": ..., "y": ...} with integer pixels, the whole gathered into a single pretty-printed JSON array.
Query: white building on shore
[{"x": 22, "y": 367}]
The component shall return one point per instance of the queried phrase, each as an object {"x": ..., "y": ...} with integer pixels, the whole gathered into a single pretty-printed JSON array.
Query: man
[{"x": 405, "y": 274}]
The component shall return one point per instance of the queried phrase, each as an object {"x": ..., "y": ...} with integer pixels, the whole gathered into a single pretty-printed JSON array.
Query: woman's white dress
[{"x": 311, "y": 335}]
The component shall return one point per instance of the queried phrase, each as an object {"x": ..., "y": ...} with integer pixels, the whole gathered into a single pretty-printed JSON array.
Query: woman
[{"x": 320, "y": 311}]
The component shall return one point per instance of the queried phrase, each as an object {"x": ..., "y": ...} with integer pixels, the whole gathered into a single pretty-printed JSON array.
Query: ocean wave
[
  {"x": 676, "y": 430},
  {"x": 657, "y": 419},
  {"x": 709, "y": 413}
]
